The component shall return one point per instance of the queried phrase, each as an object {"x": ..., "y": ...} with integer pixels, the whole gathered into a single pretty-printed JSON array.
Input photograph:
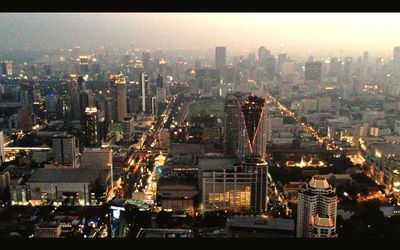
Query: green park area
[{"x": 211, "y": 106}]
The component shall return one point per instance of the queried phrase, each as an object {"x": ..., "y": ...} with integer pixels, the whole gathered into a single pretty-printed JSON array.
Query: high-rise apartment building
[{"x": 316, "y": 209}]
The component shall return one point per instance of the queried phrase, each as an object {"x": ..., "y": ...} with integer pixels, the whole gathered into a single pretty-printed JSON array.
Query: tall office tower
[
  {"x": 252, "y": 139},
  {"x": 47, "y": 70},
  {"x": 126, "y": 59},
  {"x": 90, "y": 124},
  {"x": 108, "y": 109},
  {"x": 25, "y": 95},
  {"x": 51, "y": 106},
  {"x": 6, "y": 68},
  {"x": 96, "y": 69},
  {"x": 220, "y": 60},
  {"x": 162, "y": 69},
  {"x": 146, "y": 61},
  {"x": 282, "y": 59},
  {"x": 161, "y": 95},
  {"x": 145, "y": 94},
  {"x": 96, "y": 158},
  {"x": 231, "y": 123},
  {"x": 263, "y": 53},
  {"x": 61, "y": 109},
  {"x": 347, "y": 67},
  {"x": 81, "y": 83},
  {"x": 179, "y": 70},
  {"x": 132, "y": 48},
  {"x": 313, "y": 72},
  {"x": 259, "y": 185},
  {"x": 365, "y": 59},
  {"x": 335, "y": 67},
  {"x": 160, "y": 81},
  {"x": 265, "y": 65},
  {"x": 2, "y": 154},
  {"x": 396, "y": 62},
  {"x": 316, "y": 209},
  {"x": 84, "y": 65},
  {"x": 74, "y": 101},
  {"x": 85, "y": 100},
  {"x": 197, "y": 64},
  {"x": 119, "y": 95},
  {"x": 76, "y": 51},
  {"x": 25, "y": 119},
  {"x": 36, "y": 93},
  {"x": 65, "y": 150}
]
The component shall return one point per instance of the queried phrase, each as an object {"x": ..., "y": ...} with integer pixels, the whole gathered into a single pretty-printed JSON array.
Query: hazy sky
[{"x": 290, "y": 32}]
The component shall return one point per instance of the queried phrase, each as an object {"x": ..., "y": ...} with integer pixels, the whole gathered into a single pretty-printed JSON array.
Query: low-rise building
[
  {"x": 48, "y": 230},
  {"x": 259, "y": 226}
]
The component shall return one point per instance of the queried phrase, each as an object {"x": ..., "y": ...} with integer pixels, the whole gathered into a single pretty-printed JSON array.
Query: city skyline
[
  {"x": 199, "y": 125},
  {"x": 326, "y": 34}
]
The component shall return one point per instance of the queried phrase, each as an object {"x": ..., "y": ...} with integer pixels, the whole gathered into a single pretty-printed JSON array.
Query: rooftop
[
  {"x": 319, "y": 182},
  {"x": 65, "y": 175},
  {"x": 261, "y": 222},
  {"x": 164, "y": 233},
  {"x": 322, "y": 221}
]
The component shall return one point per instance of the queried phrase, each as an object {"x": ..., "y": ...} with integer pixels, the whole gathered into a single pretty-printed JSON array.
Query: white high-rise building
[{"x": 316, "y": 209}]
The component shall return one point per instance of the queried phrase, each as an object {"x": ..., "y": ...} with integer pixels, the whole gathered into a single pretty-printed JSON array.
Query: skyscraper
[
  {"x": 81, "y": 83},
  {"x": 316, "y": 209},
  {"x": 145, "y": 94},
  {"x": 146, "y": 61},
  {"x": 74, "y": 101},
  {"x": 84, "y": 65},
  {"x": 313, "y": 72},
  {"x": 6, "y": 68},
  {"x": 263, "y": 53},
  {"x": 259, "y": 184},
  {"x": 252, "y": 139},
  {"x": 119, "y": 97},
  {"x": 220, "y": 60},
  {"x": 231, "y": 123},
  {"x": 2, "y": 154},
  {"x": 25, "y": 119},
  {"x": 160, "y": 81},
  {"x": 64, "y": 149},
  {"x": 91, "y": 128},
  {"x": 162, "y": 69},
  {"x": 396, "y": 62},
  {"x": 85, "y": 100}
]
